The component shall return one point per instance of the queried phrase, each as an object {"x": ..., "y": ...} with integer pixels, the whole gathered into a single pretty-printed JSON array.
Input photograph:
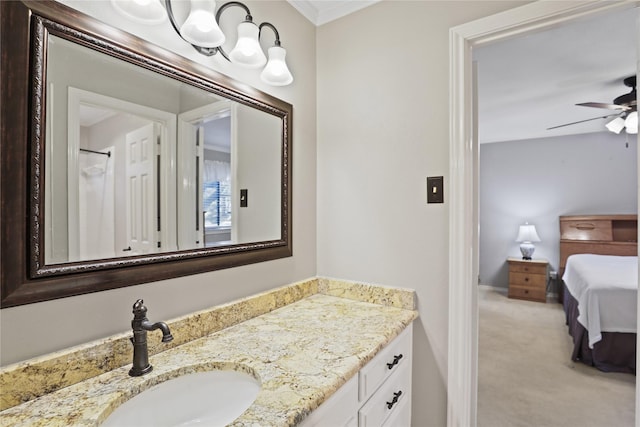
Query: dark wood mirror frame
[{"x": 25, "y": 26}]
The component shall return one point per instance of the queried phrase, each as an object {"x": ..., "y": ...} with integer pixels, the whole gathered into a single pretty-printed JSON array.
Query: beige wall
[
  {"x": 383, "y": 127},
  {"x": 37, "y": 329},
  {"x": 382, "y": 103}
]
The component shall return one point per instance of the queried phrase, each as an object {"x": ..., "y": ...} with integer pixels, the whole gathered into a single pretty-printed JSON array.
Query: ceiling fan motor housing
[{"x": 629, "y": 99}]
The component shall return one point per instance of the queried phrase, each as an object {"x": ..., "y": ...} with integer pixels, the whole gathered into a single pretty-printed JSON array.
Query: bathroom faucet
[{"x": 141, "y": 325}]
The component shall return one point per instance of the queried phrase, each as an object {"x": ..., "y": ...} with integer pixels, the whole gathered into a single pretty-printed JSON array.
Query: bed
[{"x": 599, "y": 271}]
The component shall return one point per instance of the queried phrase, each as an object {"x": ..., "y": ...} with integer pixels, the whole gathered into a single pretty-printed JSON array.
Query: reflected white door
[{"x": 141, "y": 190}]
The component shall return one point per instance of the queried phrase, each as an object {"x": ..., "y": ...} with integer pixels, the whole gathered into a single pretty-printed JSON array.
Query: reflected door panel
[{"x": 141, "y": 191}]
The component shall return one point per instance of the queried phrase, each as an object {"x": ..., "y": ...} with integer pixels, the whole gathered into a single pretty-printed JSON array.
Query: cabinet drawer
[
  {"x": 534, "y": 281},
  {"x": 385, "y": 363},
  {"x": 526, "y": 267},
  {"x": 599, "y": 229},
  {"x": 534, "y": 294},
  {"x": 389, "y": 399},
  {"x": 401, "y": 416}
]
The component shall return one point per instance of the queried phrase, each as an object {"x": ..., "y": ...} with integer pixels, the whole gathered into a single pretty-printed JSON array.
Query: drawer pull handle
[
  {"x": 585, "y": 226},
  {"x": 396, "y": 359},
  {"x": 395, "y": 399},
  {"x": 526, "y": 279},
  {"x": 126, "y": 249}
]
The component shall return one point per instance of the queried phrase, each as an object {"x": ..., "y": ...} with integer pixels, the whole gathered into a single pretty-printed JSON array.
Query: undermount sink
[{"x": 212, "y": 398}]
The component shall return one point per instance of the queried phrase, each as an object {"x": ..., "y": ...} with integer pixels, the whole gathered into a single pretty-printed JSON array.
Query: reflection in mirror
[
  {"x": 130, "y": 164},
  {"x": 152, "y": 166}
]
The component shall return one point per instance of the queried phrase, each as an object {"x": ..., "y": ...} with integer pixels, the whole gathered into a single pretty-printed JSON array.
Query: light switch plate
[
  {"x": 435, "y": 189},
  {"x": 244, "y": 198}
]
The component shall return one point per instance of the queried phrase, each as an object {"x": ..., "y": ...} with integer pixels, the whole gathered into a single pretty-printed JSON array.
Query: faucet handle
[{"x": 139, "y": 310}]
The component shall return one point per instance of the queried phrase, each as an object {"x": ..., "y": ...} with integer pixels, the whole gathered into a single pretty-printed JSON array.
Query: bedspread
[{"x": 606, "y": 288}]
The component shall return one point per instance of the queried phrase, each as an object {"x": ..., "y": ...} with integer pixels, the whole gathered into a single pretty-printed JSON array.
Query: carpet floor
[{"x": 526, "y": 376}]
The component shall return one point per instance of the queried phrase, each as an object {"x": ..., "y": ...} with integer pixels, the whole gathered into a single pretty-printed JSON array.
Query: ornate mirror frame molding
[{"x": 25, "y": 27}]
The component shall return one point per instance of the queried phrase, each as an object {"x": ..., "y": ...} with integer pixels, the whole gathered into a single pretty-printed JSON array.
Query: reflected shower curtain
[{"x": 97, "y": 205}]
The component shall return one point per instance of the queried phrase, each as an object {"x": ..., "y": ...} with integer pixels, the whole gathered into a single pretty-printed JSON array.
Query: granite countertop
[{"x": 301, "y": 353}]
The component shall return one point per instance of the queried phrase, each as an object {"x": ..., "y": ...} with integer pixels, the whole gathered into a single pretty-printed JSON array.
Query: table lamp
[{"x": 527, "y": 235}]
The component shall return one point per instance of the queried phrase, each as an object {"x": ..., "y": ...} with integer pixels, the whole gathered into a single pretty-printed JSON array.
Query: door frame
[
  {"x": 462, "y": 375},
  {"x": 186, "y": 170}
]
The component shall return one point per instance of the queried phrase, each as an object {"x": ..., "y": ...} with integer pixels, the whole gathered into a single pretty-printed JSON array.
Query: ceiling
[
  {"x": 322, "y": 11},
  {"x": 530, "y": 83}
]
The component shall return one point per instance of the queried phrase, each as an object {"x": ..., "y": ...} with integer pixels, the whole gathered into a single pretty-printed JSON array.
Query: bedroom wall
[{"x": 538, "y": 181}]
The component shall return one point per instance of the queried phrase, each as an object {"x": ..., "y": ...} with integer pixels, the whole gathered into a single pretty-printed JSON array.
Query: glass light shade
[
  {"x": 631, "y": 122},
  {"x": 143, "y": 11},
  {"x": 616, "y": 125},
  {"x": 200, "y": 27},
  {"x": 527, "y": 233},
  {"x": 247, "y": 51},
  {"x": 276, "y": 73}
]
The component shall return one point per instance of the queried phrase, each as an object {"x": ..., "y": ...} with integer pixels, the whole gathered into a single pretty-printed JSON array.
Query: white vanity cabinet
[{"x": 380, "y": 395}]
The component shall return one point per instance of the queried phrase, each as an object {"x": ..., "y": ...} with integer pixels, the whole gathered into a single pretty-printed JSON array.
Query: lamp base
[{"x": 527, "y": 249}]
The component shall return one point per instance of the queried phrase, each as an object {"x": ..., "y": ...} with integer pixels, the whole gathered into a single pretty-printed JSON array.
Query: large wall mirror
[{"x": 123, "y": 163}]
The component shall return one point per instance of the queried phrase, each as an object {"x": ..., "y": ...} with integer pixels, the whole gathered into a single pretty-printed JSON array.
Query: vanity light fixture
[{"x": 202, "y": 30}]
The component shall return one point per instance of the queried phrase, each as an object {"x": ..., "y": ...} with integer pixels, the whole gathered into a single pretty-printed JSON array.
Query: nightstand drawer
[
  {"x": 531, "y": 268},
  {"x": 534, "y": 281},
  {"x": 534, "y": 294}
]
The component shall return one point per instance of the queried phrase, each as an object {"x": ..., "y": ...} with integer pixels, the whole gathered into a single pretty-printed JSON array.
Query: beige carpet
[{"x": 526, "y": 376}]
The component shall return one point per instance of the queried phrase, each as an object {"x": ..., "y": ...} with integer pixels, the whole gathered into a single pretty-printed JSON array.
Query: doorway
[{"x": 463, "y": 216}]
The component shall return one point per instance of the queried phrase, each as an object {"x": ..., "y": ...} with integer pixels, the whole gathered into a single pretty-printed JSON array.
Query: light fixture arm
[
  {"x": 269, "y": 25},
  {"x": 231, "y": 4}
]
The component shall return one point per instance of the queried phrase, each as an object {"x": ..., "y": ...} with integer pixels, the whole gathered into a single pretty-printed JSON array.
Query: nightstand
[{"x": 528, "y": 279}]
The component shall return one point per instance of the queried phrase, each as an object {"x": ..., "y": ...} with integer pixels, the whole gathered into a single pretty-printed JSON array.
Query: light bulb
[
  {"x": 247, "y": 51},
  {"x": 200, "y": 27},
  {"x": 143, "y": 11},
  {"x": 631, "y": 123},
  {"x": 276, "y": 73}
]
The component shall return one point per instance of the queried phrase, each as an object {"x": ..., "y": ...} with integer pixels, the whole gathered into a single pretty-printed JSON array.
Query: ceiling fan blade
[
  {"x": 603, "y": 105},
  {"x": 582, "y": 121}
]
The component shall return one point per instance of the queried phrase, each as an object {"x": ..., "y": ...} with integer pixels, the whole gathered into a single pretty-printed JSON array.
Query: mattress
[{"x": 606, "y": 288}]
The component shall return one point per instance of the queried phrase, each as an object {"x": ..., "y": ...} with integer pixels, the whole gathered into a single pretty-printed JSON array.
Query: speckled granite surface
[{"x": 299, "y": 343}]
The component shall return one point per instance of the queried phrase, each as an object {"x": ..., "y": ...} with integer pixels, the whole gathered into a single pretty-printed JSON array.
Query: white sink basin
[{"x": 213, "y": 398}]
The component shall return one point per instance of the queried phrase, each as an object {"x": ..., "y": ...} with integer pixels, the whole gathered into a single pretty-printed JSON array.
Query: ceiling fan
[{"x": 626, "y": 104}]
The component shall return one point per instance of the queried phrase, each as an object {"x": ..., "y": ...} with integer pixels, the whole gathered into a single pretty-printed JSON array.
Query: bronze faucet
[{"x": 141, "y": 325}]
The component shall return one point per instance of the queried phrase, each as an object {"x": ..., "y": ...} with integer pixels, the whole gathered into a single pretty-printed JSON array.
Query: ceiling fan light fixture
[
  {"x": 631, "y": 122},
  {"x": 616, "y": 125}
]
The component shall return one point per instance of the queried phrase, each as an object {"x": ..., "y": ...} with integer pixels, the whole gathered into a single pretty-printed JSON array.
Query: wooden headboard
[{"x": 597, "y": 234}]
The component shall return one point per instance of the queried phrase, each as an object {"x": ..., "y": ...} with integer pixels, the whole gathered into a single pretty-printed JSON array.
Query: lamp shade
[
  {"x": 527, "y": 233},
  {"x": 200, "y": 27},
  {"x": 616, "y": 125},
  {"x": 143, "y": 11},
  {"x": 247, "y": 51},
  {"x": 631, "y": 122},
  {"x": 276, "y": 72}
]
